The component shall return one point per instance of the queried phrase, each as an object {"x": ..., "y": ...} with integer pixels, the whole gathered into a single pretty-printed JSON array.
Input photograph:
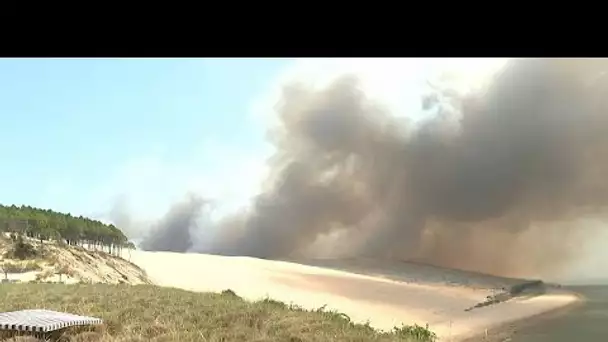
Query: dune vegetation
[
  {"x": 152, "y": 313},
  {"x": 46, "y": 224}
]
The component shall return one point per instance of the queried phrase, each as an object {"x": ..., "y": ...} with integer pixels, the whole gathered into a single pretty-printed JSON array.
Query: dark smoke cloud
[
  {"x": 495, "y": 181},
  {"x": 174, "y": 231}
]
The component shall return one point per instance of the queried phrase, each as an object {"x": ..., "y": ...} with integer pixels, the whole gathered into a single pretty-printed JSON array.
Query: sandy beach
[{"x": 382, "y": 301}]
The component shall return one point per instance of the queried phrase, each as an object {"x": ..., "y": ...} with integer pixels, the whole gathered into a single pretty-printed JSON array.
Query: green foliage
[
  {"x": 21, "y": 250},
  {"x": 229, "y": 293},
  {"x": 273, "y": 303},
  {"x": 416, "y": 332},
  {"x": 528, "y": 286},
  {"x": 47, "y": 225}
]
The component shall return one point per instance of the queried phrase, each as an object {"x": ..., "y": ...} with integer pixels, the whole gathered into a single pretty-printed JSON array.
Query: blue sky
[
  {"x": 79, "y": 133},
  {"x": 70, "y": 127}
]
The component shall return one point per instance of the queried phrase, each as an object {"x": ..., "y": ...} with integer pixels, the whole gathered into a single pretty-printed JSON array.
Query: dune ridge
[{"x": 383, "y": 301}]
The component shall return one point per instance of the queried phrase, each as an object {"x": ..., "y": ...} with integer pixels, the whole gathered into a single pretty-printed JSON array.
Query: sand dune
[
  {"x": 77, "y": 264},
  {"x": 384, "y": 301}
]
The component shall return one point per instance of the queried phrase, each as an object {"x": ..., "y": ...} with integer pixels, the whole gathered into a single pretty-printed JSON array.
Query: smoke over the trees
[{"x": 495, "y": 181}]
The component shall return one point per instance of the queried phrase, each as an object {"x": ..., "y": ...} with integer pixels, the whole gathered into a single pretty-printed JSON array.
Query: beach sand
[{"x": 383, "y": 301}]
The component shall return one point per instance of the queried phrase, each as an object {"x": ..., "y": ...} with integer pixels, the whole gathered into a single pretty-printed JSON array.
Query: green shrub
[
  {"x": 229, "y": 293},
  {"x": 416, "y": 332},
  {"x": 21, "y": 250}
]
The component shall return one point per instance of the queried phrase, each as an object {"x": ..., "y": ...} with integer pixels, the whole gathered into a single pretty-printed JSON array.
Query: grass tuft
[
  {"x": 417, "y": 332},
  {"x": 229, "y": 293}
]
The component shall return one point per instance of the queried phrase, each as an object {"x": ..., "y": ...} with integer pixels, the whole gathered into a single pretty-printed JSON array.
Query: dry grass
[
  {"x": 20, "y": 266},
  {"x": 150, "y": 313}
]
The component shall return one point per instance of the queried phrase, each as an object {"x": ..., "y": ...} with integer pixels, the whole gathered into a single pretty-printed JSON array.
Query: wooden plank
[{"x": 42, "y": 320}]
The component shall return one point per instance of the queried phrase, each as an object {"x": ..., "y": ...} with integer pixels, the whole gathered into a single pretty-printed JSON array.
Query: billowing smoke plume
[
  {"x": 174, "y": 231},
  {"x": 495, "y": 181}
]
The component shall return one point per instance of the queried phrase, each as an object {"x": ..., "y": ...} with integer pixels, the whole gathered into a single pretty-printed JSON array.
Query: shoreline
[{"x": 503, "y": 331}]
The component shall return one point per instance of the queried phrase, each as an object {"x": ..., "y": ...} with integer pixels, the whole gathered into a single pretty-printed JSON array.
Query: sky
[{"x": 78, "y": 134}]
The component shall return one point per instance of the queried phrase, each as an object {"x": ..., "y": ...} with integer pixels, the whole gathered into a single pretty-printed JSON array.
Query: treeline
[{"x": 45, "y": 224}]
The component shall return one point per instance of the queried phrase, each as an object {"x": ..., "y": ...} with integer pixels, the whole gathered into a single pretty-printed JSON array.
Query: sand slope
[
  {"x": 78, "y": 264},
  {"x": 383, "y": 301}
]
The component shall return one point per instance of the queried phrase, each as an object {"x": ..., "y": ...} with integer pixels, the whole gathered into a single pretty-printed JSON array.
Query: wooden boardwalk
[{"x": 44, "y": 323}]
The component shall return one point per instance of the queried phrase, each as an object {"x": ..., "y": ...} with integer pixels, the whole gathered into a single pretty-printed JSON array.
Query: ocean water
[{"x": 586, "y": 323}]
